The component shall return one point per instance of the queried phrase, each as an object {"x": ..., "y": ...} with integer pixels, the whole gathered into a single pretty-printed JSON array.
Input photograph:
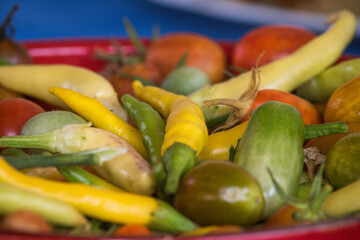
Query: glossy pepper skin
[
  {"x": 219, "y": 143},
  {"x": 185, "y": 129},
  {"x": 111, "y": 206},
  {"x": 152, "y": 129},
  {"x": 93, "y": 111},
  {"x": 35, "y": 80},
  {"x": 80, "y": 175}
]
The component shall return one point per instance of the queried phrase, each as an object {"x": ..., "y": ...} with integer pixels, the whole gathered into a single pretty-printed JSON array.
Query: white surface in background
[{"x": 251, "y": 13}]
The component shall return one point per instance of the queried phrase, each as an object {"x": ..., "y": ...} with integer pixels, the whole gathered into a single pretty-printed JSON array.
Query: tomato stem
[{"x": 90, "y": 157}]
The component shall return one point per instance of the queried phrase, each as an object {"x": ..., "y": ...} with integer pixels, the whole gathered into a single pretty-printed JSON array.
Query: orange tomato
[
  {"x": 307, "y": 110},
  {"x": 344, "y": 103},
  {"x": 203, "y": 53}
]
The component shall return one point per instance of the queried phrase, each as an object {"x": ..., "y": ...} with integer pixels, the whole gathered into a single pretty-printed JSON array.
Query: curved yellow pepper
[
  {"x": 185, "y": 122},
  {"x": 36, "y": 79},
  {"x": 219, "y": 143},
  {"x": 101, "y": 117},
  {"x": 116, "y": 207}
]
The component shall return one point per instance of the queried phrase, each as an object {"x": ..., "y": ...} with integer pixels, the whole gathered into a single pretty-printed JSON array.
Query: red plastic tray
[{"x": 80, "y": 52}]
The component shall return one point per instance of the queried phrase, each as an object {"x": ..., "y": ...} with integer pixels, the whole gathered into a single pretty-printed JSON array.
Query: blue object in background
[{"x": 50, "y": 19}]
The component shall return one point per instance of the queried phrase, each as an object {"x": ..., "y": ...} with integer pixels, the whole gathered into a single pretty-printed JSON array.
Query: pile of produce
[{"x": 182, "y": 138}]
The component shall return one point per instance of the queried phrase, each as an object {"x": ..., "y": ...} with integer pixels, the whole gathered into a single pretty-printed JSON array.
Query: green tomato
[
  {"x": 47, "y": 121},
  {"x": 219, "y": 192},
  {"x": 342, "y": 165},
  {"x": 185, "y": 80}
]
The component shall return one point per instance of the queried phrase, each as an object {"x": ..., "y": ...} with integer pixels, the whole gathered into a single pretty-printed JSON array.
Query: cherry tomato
[
  {"x": 307, "y": 110},
  {"x": 203, "y": 53},
  {"x": 276, "y": 41},
  {"x": 14, "y": 112}
]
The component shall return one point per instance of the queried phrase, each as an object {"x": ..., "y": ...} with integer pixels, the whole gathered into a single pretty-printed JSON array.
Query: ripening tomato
[
  {"x": 202, "y": 52},
  {"x": 14, "y": 112},
  {"x": 307, "y": 110},
  {"x": 275, "y": 41}
]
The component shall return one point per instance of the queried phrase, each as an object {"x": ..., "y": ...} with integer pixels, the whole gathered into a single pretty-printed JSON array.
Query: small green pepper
[{"x": 152, "y": 129}]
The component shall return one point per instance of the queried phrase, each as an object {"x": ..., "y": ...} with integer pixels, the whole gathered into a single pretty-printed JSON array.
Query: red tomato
[
  {"x": 307, "y": 110},
  {"x": 276, "y": 41},
  {"x": 203, "y": 53},
  {"x": 14, "y": 112}
]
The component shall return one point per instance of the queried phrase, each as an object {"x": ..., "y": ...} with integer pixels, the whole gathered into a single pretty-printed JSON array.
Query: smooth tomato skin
[
  {"x": 343, "y": 104},
  {"x": 307, "y": 110},
  {"x": 275, "y": 41},
  {"x": 203, "y": 53},
  {"x": 14, "y": 112}
]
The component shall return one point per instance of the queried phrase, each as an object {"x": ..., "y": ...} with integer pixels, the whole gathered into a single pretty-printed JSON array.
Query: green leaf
[
  {"x": 134, "y": 38},
  {"x": 232, "y": 151}
]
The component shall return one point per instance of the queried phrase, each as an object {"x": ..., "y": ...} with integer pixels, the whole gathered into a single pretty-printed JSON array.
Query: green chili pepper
[
  {"x": 320, "y": 88},
  {"x": 325, "y": 129},
  {"x": 178, "y": 159},
  {"x": 79, "y": 175},
  {"x": 152, "y": 129}
]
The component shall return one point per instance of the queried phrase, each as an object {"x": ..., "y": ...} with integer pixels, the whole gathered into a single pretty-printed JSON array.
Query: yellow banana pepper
[
  {"x": 185, "y": 131},
  {"x": 219, "y": 143},
  {"x": 112, "y": 206},
  {"x": 118, "y": 207},
  {"x": 101, "y": 117},
  {"x": 35, "y": 80},
  {"x": 185, "y": 122}
]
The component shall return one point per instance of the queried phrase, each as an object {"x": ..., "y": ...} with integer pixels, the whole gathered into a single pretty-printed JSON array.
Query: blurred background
[{"x": 218, "y": 19}]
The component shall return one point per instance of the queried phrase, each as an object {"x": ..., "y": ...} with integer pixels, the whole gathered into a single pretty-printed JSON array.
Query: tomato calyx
[{"x": 308, "y": 210}]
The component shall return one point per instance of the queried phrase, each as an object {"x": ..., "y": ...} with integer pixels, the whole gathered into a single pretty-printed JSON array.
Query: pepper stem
[
  {"x": 178, "y": 159},
  {"x": 90, "y": 157},
  {"x": 325, "y": 129},
  {"x": 167, "y": 219},
  {"x": 66, "y": 139}
]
